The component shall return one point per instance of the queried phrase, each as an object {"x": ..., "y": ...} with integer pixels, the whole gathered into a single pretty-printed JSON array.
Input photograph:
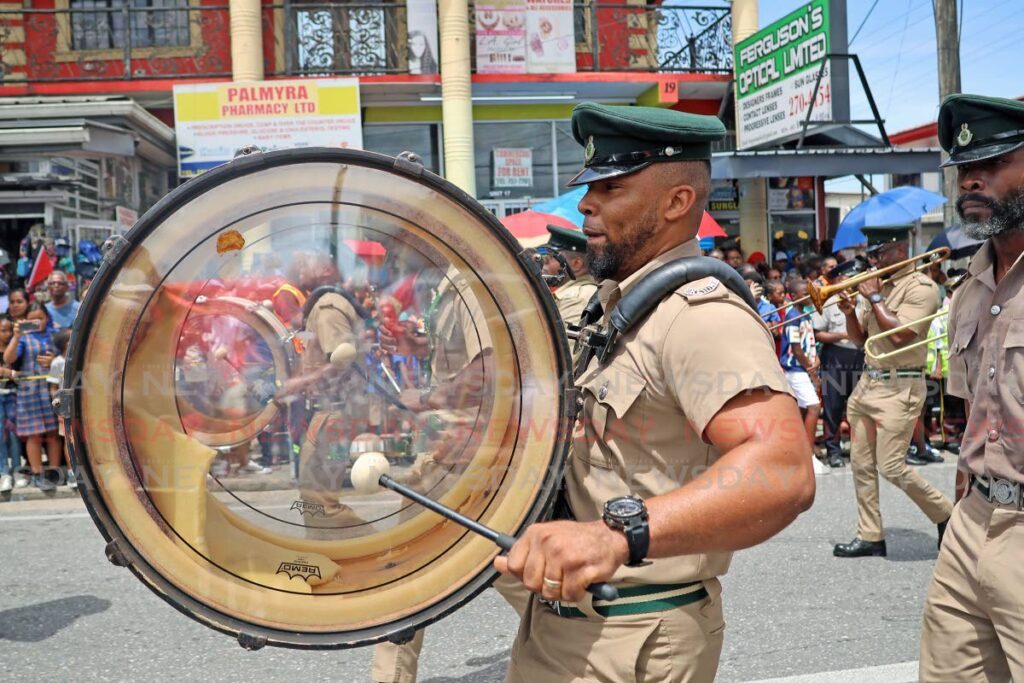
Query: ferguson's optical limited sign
[
  {"x": 213, "y": 120},
  {"x": 776, "y": 69}
]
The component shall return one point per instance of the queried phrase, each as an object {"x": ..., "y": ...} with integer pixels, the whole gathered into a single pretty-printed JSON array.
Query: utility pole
[{"x": 947, "y": 39}]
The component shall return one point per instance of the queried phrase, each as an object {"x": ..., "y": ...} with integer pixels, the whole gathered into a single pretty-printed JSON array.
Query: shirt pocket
[
  {"x": 612, "y": 415},
  {"x": 1013, "y": 362},
  {"x": 960, "y": 362}
]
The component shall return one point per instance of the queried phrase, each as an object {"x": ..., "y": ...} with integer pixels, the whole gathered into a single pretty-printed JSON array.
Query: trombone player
[{"x": 889, "y": 396}]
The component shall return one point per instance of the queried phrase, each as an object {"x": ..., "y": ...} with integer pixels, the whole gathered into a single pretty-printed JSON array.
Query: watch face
[{"x": 625, "y": 507}]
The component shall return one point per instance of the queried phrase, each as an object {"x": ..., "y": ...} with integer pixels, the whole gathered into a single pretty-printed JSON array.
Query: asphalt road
[{"x": 791, "y": 608}]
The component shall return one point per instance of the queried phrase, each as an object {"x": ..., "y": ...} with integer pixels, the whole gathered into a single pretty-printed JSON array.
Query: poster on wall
[
  {"x": 422, "y": 38},
  {"x": 214, "y": 120},
  {"x": 550, "y": 37},
  {"x": 791, "y": 194},
  {"x": 501, "y": 37},
  {"x": 513, "y": 167},
  {"x": 776, "y": 69}
]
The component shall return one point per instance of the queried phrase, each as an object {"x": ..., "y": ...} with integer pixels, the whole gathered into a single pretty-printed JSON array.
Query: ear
[{"x": 678, "y": 202}]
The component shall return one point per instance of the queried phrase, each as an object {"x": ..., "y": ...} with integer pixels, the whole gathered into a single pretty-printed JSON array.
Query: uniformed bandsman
[
  {"x": 572, "y": 296},
  {"x": 890, "y": 394},
  {"x": 974, "y": 615},
  {"x": 669, "y": 472}
]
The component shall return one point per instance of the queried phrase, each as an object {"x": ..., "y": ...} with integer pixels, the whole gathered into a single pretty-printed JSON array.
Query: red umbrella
[
  {"x": 709, "y": 227},
  {"x": 531, "y": 227}
]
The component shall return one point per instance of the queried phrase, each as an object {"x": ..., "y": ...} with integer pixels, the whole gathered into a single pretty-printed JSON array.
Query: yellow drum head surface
[{"x": 282, "y": 328}]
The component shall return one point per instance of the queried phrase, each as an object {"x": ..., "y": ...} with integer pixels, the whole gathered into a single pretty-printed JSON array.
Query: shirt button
[
  {"x": 995, "y": 310},
  {"x": 603, "y": 393},
  {"x": 991, "y": 373},
  {"x": 993, "y": 435}
]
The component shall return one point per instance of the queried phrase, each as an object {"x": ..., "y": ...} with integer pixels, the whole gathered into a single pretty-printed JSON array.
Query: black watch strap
[{"x": 638, "y": 538}]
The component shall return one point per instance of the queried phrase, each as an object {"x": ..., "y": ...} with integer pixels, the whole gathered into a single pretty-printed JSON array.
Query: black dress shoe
[
  {"x": 953, "y": 448},
  {"x": 860, "y": 548},
  {"x": 942, "y": 531},
  {"x": 914, "y": 458},
  {"x": 836, "y": 461}
]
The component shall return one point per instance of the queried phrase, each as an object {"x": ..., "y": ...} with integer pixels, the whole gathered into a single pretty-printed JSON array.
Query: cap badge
[
  {"x": 965, "y": 136},
  {"x": 590, "y": 151}
]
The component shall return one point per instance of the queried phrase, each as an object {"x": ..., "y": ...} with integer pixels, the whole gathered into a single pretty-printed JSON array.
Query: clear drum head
[{"x": 267, "y": 340}]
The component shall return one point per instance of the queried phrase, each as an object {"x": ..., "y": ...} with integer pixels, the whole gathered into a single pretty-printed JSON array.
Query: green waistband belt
[{"x": 640, "y": 599}]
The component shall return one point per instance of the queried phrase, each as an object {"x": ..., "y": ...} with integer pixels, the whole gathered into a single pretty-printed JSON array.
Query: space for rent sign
[{"x": 775, "y": 73}]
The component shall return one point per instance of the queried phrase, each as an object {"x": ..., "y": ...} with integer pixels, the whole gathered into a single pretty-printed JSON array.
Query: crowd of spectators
[
  {"x": 822, "y": 365},
  {"x": 36, "y": 316}
]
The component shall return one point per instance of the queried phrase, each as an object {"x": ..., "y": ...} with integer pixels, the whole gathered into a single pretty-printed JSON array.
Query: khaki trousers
[
  {"x": 882, "y": 414},
  {"x": 974, "y": 614},
  {"x": 399, "y": 663},
  {"x": 675, "y": 646}
]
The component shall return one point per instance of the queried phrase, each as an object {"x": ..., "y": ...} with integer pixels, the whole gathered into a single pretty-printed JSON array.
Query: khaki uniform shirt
[
  {"x": 331, "y": 322},
  {"x": 986, "y": 367},
  {"x": 644, "y": 411},
  {"x": 456, "y": 329},
  {"x": 910, "y": 296},
  {"x": 573, "y": 296}
]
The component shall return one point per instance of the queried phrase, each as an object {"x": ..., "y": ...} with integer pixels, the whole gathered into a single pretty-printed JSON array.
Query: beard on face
[
  {"x": 604, "y": 262},
  {"x": 1004, "y": 216}
]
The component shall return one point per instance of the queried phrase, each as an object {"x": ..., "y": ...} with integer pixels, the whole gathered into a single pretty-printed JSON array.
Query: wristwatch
[
  {"x": 875, "y": 298},
  {"x": 628, "y": 514}
]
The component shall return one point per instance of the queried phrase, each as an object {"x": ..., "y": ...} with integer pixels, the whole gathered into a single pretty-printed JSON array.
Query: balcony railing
[{"x": 176, "y": 39}]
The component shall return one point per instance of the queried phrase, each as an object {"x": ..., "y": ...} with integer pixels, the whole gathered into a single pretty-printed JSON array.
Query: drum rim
[{"x": 120, "y": 551}]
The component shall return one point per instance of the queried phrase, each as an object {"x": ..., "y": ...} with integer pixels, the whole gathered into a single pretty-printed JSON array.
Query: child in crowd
[
  {"x": 30, "y": 352},
  {"x": 10, "y": 446},
  {"x": 54, "y": 380},
  {"x": 799, "y": 358}
]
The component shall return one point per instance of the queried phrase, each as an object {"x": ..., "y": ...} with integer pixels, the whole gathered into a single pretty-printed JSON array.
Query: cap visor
[
  {"x": 592, "y": 174},
  {"x": 981, "y": 153}
]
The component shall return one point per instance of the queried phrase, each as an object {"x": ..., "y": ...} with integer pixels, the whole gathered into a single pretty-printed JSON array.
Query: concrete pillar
[
  {"x": 246, "y": 40},
  {"x": 753, "y": 191},
  {"x": 457, "y": 94}
]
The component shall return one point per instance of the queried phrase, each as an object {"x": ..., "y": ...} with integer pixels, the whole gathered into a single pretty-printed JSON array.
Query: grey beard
[{"x": 1005, "y": 216}]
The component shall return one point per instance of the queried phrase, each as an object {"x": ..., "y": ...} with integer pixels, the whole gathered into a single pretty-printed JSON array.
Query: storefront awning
[{"x": 826, "y": 162}]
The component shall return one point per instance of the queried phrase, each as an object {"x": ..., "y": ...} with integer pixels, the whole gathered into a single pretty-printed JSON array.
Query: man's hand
[
  {"x": 404, "y": 344},
  {"x": 846, "y": 303},
  {"x": 755, "y": 289},
  {"x": 576, "y": 554},
  {"x": 869, "y": 287}
]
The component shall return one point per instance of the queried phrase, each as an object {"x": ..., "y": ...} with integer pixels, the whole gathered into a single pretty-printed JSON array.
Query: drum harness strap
[{"x": 595, "y": 340}]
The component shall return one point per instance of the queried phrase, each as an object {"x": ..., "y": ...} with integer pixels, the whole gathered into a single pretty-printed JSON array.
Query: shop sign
[
  {"x": 214, "y": 120},
  {"x": 724, "y": 196},
  {"x": 513, "y": 167},
  {"x": 501, "y": 37},
  {"x": 776, "y": 69},
  {"x": 550, "y": 37}
]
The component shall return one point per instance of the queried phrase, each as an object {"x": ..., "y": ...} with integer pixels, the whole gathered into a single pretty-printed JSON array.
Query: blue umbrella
[
  {"x": 564, "y": 205},
  {"x": 959, "y": 244},
  {"x": 897, "y": 206}
]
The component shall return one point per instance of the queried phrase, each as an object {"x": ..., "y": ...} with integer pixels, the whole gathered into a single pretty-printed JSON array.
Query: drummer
[
  {"x": 573, "y": 294},
  {"x": 332, "y": 321},
  {"x": 667, "y": 475}
]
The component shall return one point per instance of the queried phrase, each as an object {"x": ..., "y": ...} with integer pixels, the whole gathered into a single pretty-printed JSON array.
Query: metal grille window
[
  {"x": 111, "y": 24},
  {"x": 348, "y": 37}
]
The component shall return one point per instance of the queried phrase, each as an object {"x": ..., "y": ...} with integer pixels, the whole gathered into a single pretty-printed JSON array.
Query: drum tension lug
[
  {"x": 251, "y": 642},
  {"x": 402, "y": 637},
  {"x": 410, "y": 163},
  {"x": 113, "y": 246},
  {"x": 114, "y": 554},
  {"x": 62, "y": 402}
]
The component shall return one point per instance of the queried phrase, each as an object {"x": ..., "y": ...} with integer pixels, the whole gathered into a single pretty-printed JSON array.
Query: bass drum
[{"x": 334, "y": 300}]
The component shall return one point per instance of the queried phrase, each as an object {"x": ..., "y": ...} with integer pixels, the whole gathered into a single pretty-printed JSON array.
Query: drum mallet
[{"x": 602, "y": 591}]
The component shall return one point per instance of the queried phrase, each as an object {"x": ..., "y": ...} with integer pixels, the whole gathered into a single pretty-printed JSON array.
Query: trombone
[
  {"x": 871, "y": 354},
  {"x": 820, "y": 294}
]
